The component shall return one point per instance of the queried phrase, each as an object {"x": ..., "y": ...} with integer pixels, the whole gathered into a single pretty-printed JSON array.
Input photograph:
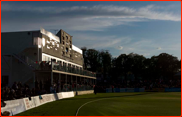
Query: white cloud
[
  {"x": 149, "y": 47},
  {"x": 159, "y": 48},
  {"x": 98, "y": 11},
  {"x": 82, "y": 18},
  {"x": 95, "y": 18},
  {"x": 120, "y": 47},
  {"x": 105, "y": 44},
  {"x": 99, "y": 42},
  {"x": 146, "y": 47}
]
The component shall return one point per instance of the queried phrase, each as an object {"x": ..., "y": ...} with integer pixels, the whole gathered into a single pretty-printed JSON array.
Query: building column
[
  {"x": 92, "y": 83},
  {"x": 84, "y": 83},
  {"x": 34, "y": 80},
  {"x": 59, "y": 82},
  {"x": 88, "y": 83},
  {"x": 71, "y": 83},
  {"x": 66, "y": 83},
  {"x": 51, "y": 78},
  {"x": 76, "y": 83}
]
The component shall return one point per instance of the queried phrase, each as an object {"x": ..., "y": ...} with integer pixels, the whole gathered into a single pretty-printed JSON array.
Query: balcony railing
[
  {"x": 48, "y": 65},
  {"x": 44, "y": 65}
]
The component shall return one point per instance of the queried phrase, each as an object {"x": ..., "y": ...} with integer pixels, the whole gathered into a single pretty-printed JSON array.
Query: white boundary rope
[
  {"x": 93, "y": 101},
  {"x": 89, "y": 102}
]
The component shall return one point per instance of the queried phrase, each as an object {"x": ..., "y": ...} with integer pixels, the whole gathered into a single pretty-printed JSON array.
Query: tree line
[{"x": 130, "y": 66}]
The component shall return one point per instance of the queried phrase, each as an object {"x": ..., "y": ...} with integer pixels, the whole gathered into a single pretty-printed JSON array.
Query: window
[
  {"x": 70, "y": 42},
  {"x": 53, "y": 43},
  {"x": 63, "y": 42},
  {"x": 70, "y": 46},
  {"x": 70, "y": 55},
  {"x": 66, "y": 37},
  {"x": 48, "y": 47},
  {"x": 63, "y": 53},
  {"x": 48, "y": 59},
  {"x": 63, "y": 38},
  {"x": 48, "y": 41},
  {"x": 66, "y": 49},
  {"x": 43, "y": 41},
  {"x": 43, "y": 58}
]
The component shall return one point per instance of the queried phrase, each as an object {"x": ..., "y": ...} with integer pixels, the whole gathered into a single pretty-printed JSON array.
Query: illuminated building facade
[{"x": 38, "y": 57}]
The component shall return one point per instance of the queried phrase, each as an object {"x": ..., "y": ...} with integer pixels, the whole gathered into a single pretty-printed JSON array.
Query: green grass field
[{"x": 116, "y": 104}]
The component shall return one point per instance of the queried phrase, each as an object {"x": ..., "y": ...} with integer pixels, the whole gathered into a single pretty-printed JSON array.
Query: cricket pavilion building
[{"x": 42, "y": 59}]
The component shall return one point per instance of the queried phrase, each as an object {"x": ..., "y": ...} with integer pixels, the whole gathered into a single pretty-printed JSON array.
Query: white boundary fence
[{"x": 21, "y": 105}]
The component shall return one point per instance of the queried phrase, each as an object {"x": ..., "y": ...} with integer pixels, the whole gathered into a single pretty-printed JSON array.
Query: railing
[
  {"x": 46, "y": 65},
  {"x": 60, "y": 67}
]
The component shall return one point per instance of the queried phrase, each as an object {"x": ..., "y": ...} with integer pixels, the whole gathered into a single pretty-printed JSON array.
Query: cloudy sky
[{"x": 147, "y": 28}]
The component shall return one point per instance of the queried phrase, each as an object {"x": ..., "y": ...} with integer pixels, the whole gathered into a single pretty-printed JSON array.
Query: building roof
[{"x": 21, "y": 31}]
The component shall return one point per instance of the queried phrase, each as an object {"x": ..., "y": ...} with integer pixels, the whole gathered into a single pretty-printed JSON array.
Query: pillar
[
  {"x": 51, "y": 78},
  {"x": 71, "y": 83},
  {"x": 34, "y": 80},
  {"x": 84, "y": 83},
  {"x": 66, "y": 82},
  {"x": 76, "y": 83},
  {"x": 59, "y": 83}
]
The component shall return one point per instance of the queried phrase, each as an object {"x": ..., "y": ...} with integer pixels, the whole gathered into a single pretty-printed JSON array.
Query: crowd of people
[{"x": 18, "y": 90}]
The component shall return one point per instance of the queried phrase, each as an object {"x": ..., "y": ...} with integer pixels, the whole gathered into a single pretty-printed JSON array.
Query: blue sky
[{"x": 147, "y": 28}]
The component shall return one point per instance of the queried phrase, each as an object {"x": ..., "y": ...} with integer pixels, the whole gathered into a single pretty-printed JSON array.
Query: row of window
[
  {"x": 67, "y": 43},
  {"x": 46, "y": 58},
  {"x": 63, "y": 53},
  {"x": 66, "y": 37}
]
